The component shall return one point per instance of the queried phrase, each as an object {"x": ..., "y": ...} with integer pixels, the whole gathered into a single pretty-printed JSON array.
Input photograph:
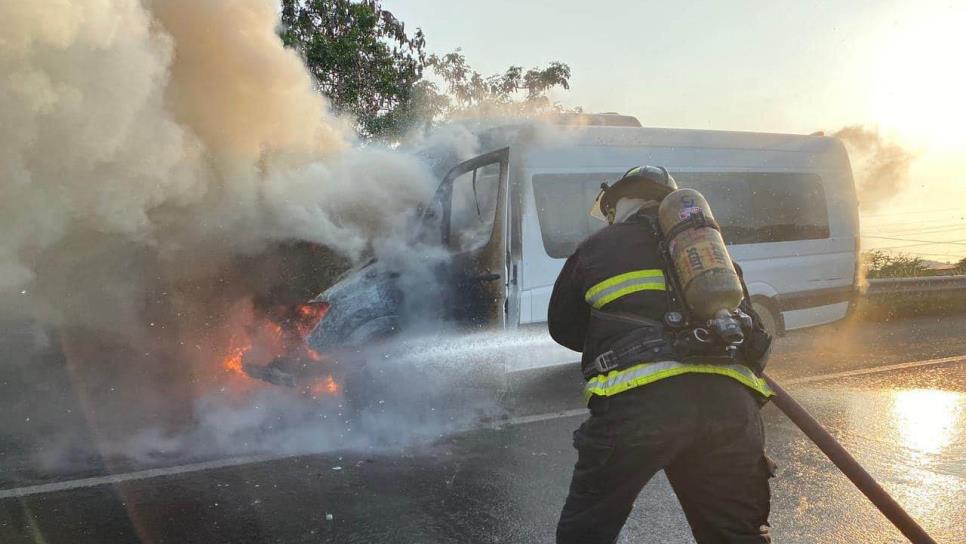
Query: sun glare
[
  {"x": 919, "y": 87},
  {"x": 927, "y": 418}
]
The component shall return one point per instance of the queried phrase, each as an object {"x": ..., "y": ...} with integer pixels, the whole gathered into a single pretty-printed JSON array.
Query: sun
[{"x": 919, "y": 84}]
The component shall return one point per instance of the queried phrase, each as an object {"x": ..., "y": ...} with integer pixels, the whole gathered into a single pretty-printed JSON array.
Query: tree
[
  {"x": 361, "y": 57},
  {"x": 468, "y": 93},
  {"x": 881, "y": 264},
  {"x": 961, "y": 266}
]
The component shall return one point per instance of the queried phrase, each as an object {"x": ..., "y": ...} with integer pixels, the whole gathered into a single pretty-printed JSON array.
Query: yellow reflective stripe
[
  {"x": 613, "y": 288},
  {"x": 618, "y": 381},
  {"x": 633, "y": 275},
  {"x": 614, "y": 295}
]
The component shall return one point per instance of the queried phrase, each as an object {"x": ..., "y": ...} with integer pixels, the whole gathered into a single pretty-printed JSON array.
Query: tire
[{"x": 769, "y": 318}]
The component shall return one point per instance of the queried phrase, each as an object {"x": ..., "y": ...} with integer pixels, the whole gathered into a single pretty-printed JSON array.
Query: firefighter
[{"x": 698, "y": 420}]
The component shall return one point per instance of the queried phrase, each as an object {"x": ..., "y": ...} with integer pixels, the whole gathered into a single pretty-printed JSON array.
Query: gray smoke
[
  {"x": 140, "y": 140},
  {"x": 150, "y": 152},
  {"x": 435, "y": 385},
  {"x": 167, "y": 169},
  {"x": 881, "y": 167}
]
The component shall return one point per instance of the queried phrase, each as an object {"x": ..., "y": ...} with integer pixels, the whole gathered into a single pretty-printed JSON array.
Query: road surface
[{"x": 894, "y": 393}]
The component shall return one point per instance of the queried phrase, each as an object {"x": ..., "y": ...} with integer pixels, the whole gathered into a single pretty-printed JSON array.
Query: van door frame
[
  {"x": 514, "y": 253},
  {"x": 485, "y": 269}
]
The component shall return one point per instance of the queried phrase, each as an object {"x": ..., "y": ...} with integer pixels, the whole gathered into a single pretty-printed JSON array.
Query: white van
[
  {"x": 786, "y": 205},
  {"x": 510, "y": 217}
]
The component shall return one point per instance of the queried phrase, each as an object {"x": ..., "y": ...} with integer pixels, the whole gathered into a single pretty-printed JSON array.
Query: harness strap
[
  {"x": 674, "y": 302},
  {"x": 646, "y": 343},
  {"x": 626, "y": 318}
]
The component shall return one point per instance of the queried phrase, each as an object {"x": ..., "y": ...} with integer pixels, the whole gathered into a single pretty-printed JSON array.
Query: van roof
[
  {"x": 598, "y": 146},
  {"x": 607, "y": 119},
  {"x": 697, "y": 138}
]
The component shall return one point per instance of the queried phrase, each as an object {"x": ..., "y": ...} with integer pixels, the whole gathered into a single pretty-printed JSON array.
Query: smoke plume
[
  {"x": 881, "y": 166},
  {"x": 164, "y": 164},
  {"x": 158, "y": 140}
]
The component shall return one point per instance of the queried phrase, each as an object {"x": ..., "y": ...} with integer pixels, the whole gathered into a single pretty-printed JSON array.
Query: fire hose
[{"x": 849, "y": 466}]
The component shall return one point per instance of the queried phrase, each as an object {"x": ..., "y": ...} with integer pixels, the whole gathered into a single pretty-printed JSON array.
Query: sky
[{"x": 775, "y": 66}]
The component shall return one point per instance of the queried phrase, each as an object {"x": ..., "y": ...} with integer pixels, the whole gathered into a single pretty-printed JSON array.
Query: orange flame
[
  {"x": 309, "y": 316},
  {"x": 328, "y": 386},
  {"x": 280, "y": 334},
  {"x": 233, "y": 362}
]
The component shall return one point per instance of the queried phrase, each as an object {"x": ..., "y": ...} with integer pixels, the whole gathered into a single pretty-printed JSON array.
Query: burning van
[{"x": 488, "y": 246}]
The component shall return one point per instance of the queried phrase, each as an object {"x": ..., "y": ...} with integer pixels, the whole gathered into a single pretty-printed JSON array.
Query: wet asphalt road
[{"x": 507, "y": 482}]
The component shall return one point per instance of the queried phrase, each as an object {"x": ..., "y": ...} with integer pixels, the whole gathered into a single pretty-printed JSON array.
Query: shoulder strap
[{"x": 674, "y": 302}]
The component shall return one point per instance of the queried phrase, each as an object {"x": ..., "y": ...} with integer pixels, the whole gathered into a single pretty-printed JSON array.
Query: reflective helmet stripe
[
  {"x": 616, "y": 287},
  {"x": 618, "y": 381}
]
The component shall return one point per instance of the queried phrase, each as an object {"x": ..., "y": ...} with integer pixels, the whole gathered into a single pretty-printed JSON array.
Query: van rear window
[{"x": 751, "y": 208}]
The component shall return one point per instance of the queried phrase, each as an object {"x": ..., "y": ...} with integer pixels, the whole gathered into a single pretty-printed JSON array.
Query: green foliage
[
  {"x": 961, "y": 266},
  {"x": 362, "y": 59},
  {"x": 882, "y": 264},
  {"x": 466, "y": 92}
]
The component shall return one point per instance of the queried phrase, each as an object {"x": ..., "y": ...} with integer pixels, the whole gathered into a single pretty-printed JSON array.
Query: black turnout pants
[{"x": 705, "y": 431}]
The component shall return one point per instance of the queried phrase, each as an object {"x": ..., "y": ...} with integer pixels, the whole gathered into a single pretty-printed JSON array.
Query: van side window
[
  {"x": 474, "y": 208},
  {"x": 751, "y": 208},
  {"x": 756, "y": 208},
  {"x": 563, "y": 204}
]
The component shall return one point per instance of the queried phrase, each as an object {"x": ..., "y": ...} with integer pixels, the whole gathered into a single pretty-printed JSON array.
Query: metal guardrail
[{"x": 925, "y": 284}]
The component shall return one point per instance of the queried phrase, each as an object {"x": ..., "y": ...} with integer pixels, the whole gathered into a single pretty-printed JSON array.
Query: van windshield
[{"x": 752, "y": 208}]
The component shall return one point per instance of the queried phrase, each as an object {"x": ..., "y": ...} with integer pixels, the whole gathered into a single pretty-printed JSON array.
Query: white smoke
[
  {"x": 144, "y": 139},
  {"x": 147, "y": 147},
  {"x": 144, "y": 146},
  {"x": 881, "y": 166}
]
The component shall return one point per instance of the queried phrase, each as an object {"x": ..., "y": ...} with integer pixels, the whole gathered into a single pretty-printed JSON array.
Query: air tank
[{"x": 702, "y": 263}]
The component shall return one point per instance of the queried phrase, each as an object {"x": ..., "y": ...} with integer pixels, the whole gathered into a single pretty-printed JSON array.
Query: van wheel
[{"x": 769, "y": 318}]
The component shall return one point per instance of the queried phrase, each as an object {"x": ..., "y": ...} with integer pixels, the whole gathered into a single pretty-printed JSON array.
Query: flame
[
  {"x": 309, "y": 316},
  {"x": 233, "y": 361},
  {"x": 328, "y": 386},
  {"x": 280, "y": 332}
]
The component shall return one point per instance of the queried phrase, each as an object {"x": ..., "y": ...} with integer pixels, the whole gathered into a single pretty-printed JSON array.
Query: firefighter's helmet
[{"x": 644, "y": 182}]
